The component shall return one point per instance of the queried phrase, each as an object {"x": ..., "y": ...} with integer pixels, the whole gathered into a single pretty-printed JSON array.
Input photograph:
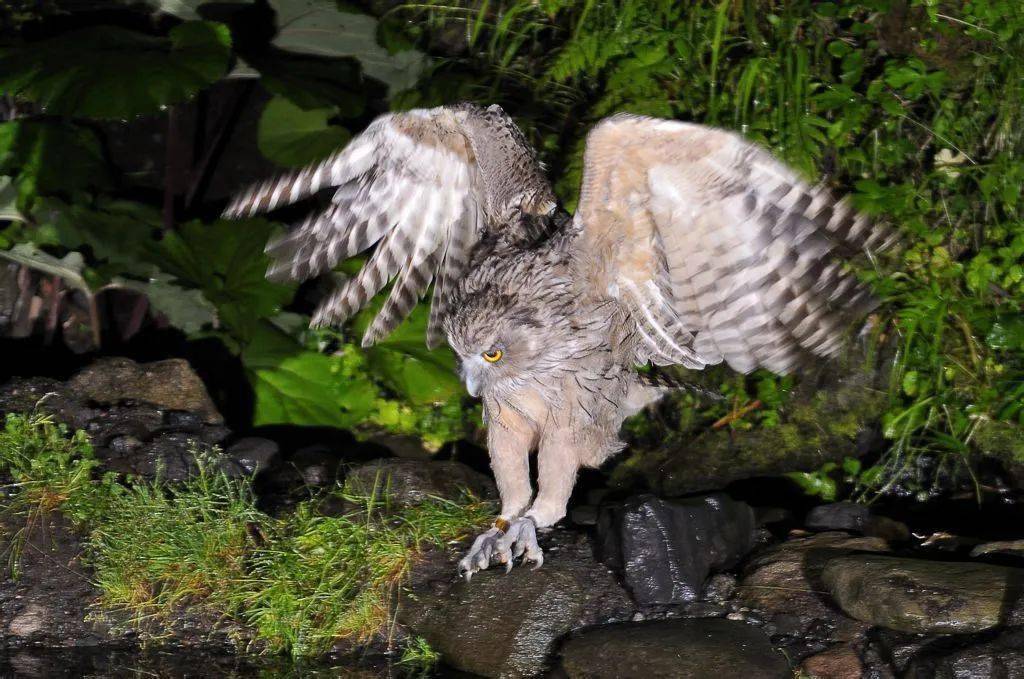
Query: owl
[{"x": 690, "y": 246}]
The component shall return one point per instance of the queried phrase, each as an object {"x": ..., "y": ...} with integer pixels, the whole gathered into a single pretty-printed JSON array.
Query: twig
[{"x": 737, "y": 414}]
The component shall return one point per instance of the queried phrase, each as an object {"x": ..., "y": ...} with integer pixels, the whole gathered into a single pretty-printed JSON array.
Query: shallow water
[{"x": 32, "y": 663}]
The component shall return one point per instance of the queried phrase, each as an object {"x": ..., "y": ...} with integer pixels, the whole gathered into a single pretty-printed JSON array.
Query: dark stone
[
  {"x": 410, "y": 482},
  {"x": 171, "y": 456},
  {"x": 317, "y": 465},
  {"x": 48, "y": 604},
  {"x": 697, "y": 649},
  {"x": 170, "y": 384},
  {"x": 502, "y": 625},
  {"x": 183, "y": 421},
  {"x": 926, "y": 597},
  {"x": 666, "y": 549},
  {"x": 139, "y": 421},
  {"x": 27, "y": 394},
  {"x": 839, "y": 516},
  {"x": 785, "y": 580},
  {"x": 253, "y": 454},
  {"x": 1000, "y": 658},
  {"x": 720, "y": 587},
  {"x": 856, "y": 518},
  {"x": 838, "y": 662}
]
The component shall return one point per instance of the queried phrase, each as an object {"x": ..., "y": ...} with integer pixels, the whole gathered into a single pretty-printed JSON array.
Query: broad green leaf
[
  {"x": 296, "y": 386},
  {"x": 289, "y": 135},
  {"x": 185, "y": 309},
  {"x": 403, "y": 362},
  {"x": 113, "y": 72},
  {"x": 225, "y": 260},
  {"x": 48, "y": 158},
  {"x": 318, "y": 27}
]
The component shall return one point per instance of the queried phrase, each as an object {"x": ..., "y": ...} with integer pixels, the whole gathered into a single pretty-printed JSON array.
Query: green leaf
[
  {"x": 185, "y": 309},
  {"x": 319, "y": 28},
  {"x": 225, "y": 260},
  {"x": 403, "y": 362},
  {"x": 48, "y": 158},
  {"x": 296, "y": 386},
  {"x": 290, "y": 136},
  {"x": 113, "y": 72}
]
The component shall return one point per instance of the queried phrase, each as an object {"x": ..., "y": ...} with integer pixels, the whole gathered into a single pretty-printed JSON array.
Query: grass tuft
[{"x": 297, "y": 584}]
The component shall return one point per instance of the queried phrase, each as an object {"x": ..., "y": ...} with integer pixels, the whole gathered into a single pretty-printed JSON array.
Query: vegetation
[
  {"x": 911, "y": 105},
  {"x": 296, "y": 583}
]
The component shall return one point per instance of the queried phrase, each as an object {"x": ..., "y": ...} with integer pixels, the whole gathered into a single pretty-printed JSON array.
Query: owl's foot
[{"x": 520, "y": 540}]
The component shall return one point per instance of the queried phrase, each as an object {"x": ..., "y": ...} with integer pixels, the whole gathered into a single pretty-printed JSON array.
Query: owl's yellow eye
[{"x": 493, "y": 356}]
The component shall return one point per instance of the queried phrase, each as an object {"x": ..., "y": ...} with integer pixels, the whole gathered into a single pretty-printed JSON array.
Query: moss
[{"x": 814, "y": 426}]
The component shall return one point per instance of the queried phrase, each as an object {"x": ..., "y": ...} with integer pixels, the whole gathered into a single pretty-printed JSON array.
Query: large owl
[{"x": 690, "y": 247}]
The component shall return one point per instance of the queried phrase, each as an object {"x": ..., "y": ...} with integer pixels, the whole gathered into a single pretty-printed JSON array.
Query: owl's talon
[{"x": 520, "y": 540}]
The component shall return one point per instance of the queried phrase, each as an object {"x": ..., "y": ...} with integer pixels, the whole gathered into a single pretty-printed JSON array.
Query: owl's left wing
[{"x": 714, "y": 249}]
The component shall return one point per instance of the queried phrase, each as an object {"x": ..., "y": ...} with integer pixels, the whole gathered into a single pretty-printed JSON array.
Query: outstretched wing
[
  {"x": 410, "y": 183},
  {"x": 714, "y": 249}
]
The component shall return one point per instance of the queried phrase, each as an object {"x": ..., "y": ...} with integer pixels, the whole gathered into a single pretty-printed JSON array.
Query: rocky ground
[{"x": 639, "y": 586}]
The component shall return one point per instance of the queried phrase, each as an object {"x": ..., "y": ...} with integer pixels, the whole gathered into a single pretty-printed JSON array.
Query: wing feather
[
  {"x": 411, "y": 184},
  {"x": 717, "y": 250}
]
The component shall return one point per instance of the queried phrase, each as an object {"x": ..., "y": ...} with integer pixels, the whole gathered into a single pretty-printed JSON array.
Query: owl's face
[{"x": 499, "y": 345}]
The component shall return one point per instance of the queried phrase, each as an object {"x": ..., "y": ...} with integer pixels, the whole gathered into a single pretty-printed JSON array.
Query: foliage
[{"x": 297, "y": 583}]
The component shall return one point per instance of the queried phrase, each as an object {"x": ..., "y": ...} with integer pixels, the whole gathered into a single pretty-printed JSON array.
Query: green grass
[{"x": 295, "y": 584}]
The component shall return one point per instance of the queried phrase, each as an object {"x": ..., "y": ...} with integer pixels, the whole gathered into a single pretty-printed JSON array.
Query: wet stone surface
[
  {"x": 502, "y": 625},
  {"x": 926, "y": 597},
  {"x": 410, "y": 482},
  {"x": 698, "y": 649},
  {"x": 666, "y": 549}
]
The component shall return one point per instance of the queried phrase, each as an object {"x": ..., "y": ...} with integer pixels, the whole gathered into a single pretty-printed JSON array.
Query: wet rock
[
  {"x": 666, "y": 549},
  {"x": 856, "y": 518},
  {"x": 719, "y": 587},
  {"x": 502, "y": 625},
  {"x": 698, "y": 649},
  {"x": 838, "y": 662},
  {"x": 138, "y": 421},
  {"x": 1001, "y": 547},
  {"x": 1000, "y": 658},
  {"x": 49, "y": 602},
  {"x": 171, "y": 456},
  {"x": 410, "y": 482},
  {"x": 839, "y": 516},
  {"x": 252, "y": 454},
  {"x": 785, "y": 580},
  {"x": 925, "y": 597},
  {"x": 27, "y": 394},
  {"x": 170, "y": 384}
]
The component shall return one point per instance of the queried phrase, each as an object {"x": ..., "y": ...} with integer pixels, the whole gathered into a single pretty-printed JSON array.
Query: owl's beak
[{"x": 472, "y": 384}]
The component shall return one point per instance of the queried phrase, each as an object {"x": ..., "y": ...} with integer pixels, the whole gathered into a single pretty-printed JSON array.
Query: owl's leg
[{"x": 510, "y": 461}]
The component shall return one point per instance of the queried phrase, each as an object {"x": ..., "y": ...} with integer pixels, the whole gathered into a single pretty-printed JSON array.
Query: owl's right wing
[
  {"x": 714, "y": 249},
  {"x": 411, "y": 183}
]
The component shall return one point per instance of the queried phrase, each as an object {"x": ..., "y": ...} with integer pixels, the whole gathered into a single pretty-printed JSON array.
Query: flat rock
[
  {"x": 170, "y": 384},
  {"x": 838, "y": 516},
  {"x": 502, "y": 625},
  {"x": 698, "y": 649},
  {"x": 1000, "y": 658},
  {"x": 784, "y": 581},
  {"x": 666, "y": 549},
  {"x": 925, "y": 597},
  {"x": 1013, "y": 548},
  {"x": 410, "y": 482}
]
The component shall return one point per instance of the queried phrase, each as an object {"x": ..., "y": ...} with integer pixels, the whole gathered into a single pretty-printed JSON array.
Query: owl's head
[{"x": 501, "y": 343}]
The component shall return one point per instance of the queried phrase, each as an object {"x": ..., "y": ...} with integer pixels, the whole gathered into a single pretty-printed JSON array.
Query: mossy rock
[{"x": 831, "y": 415}]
